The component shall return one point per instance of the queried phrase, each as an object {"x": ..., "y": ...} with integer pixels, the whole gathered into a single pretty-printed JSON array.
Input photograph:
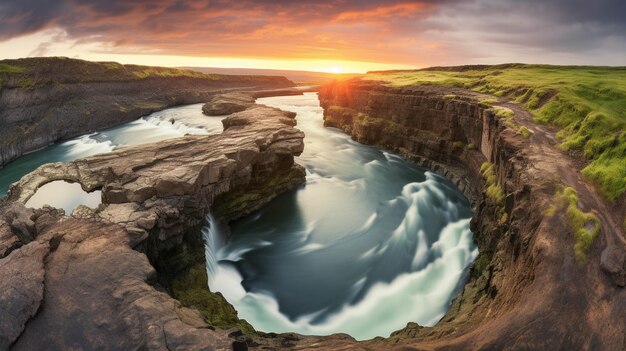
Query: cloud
[{"x": 422, "y": 32}]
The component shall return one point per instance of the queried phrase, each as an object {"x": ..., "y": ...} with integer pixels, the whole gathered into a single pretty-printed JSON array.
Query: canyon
[{"x": 110, "y": 277}]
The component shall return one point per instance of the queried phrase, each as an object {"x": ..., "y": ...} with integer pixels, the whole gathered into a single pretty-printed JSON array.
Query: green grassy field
[{"x": 587, "y": 103}]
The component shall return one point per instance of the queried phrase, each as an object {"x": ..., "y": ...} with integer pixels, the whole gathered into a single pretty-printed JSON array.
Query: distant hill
[
  {"x": 295, "y": 76},
  {"x": 39, "y": 71}
]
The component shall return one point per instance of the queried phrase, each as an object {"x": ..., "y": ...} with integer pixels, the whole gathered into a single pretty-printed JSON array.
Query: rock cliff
[
  {"x": 44, "y": 100},
  {"x": 527, "y": 290}
]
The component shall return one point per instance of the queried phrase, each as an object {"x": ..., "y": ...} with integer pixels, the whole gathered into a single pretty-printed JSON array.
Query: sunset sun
[{"x": 334, "y": 69}]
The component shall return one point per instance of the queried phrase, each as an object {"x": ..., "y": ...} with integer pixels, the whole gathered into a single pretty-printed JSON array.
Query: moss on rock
[
  {"x": 235, "y": 204},
  {"x": 191, "y": 289},
  {"x": 584, "y": 225}
]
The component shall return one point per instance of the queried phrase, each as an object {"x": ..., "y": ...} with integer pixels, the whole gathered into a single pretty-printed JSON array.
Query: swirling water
[
  {"x": 170, "y": 123},
  {"x": 369, "y": 243}
]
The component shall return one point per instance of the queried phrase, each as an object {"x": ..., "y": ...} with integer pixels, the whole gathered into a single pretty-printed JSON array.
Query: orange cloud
[
  {"x": 362, "y": 30},
  {"x": 384, "y": 13}
]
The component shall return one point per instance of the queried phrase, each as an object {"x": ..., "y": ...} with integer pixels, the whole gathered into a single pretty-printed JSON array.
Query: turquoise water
[
  {"x": 166, "y": 124},
  {"x": 369, "y": 243}
]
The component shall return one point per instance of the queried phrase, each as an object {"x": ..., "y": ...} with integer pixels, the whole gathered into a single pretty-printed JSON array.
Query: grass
[
  {"x": 494, "y": 191},
  {"x": 588, "y": 104},
  {"x": 389, "y": 127},
  {"x": 507, "y": 114},
  {"x": 150, "y": 72},
  {"x": 458, "y": 145},
  {"x": 7, "y": 68},
  {"x": 487, "y": 103},
  {"x": 504, "y": 218},
  {"x": 502, "y": 112},
  {"x": 584, "y": 225},
  {"x": 183, "y": 271},
  {"x": 525, "y": 132}
]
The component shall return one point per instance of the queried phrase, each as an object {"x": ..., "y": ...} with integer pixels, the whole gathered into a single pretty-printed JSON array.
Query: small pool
[{"x": 65, "y": 195}]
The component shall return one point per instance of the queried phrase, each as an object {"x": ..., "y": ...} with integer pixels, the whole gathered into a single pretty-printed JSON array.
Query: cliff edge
[{"x": 551, "y": 268}]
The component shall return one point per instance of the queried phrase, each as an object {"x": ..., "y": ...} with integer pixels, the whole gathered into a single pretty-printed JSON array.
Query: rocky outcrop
[
  {"x": 227, "y": 104},
  {"x": 44, "y": 100},
  {"x": 526, "y": 289},
  {"x": 22, "y": 274},
  {"x": 88, "y": 281}
]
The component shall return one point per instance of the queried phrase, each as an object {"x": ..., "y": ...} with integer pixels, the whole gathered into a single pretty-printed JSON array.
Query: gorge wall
[
  {"x": 526, "y": 290},
  {"x": 44, "y": 100}
]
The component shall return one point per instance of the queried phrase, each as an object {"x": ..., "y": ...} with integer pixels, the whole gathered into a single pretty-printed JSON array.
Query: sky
[{"x": 331, "y": 36}]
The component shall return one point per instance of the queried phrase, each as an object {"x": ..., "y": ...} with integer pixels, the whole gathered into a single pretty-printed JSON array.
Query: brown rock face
[
  {"x": 227, "y": 104},
  {"x": 22, "y": 276}
]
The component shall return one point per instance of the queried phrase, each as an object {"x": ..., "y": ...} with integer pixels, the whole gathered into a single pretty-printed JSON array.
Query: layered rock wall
[
  {"x": 419, "y": 124},
  {"x": 34, "y": 116}
]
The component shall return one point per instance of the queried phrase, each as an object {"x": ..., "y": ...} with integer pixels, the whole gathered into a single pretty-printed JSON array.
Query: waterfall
[{"x": 213, "y": 236}]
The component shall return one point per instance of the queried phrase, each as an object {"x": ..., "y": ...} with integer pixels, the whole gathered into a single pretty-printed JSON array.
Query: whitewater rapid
[
  {"x": 370, "y": 243},
  {"x": 161, "y": 125}
]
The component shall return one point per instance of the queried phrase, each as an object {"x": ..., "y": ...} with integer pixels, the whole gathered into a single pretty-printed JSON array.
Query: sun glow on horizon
[
  {"x": 336, "y": 70},
  {"x": 57, "y": 44},
  {"x": 324, "y": 66}
]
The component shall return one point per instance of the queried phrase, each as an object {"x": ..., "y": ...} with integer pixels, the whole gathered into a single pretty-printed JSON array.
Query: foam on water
[
  {"x": 370, "y": 243},
  {"x": 170, "y": 123}
]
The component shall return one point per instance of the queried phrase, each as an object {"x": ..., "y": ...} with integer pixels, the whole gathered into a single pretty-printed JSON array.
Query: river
[{"x": 369, "y": 243}]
